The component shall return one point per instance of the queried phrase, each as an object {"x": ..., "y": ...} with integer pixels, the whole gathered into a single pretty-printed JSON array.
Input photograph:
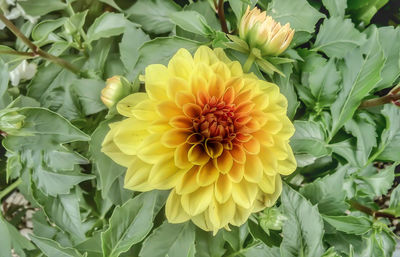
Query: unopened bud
[
  {"x": 11, "y": 121},
  {"x": 272, "y": 219},
  {"x": 264, "y": 33},
  {"x": 116, "y": 88}
]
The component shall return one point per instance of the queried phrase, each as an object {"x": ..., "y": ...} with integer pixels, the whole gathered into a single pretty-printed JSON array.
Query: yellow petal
[
  {"x": 267, "y": 184},
  {"x": 244, "y": 193},
  {"x": 241, "y": 215},
  {"x": 156, "y": 81},
  {"x": 136, "y": 177},
  {"x": 253, "y": 170},
  {"x": 224, "y": 162},
  {"x": 221, "y": 213},
  {"x": 197, "y": 155},
  {"x": 181, "y": 156},
  {"x": 198, "y": 201},
  {"x": 168, "y": 109},
  {"x": 126, "y": 105},
  {"x": 151, "y": 150},
  {"x": 173, "y": 209},
  {"x": 113, "y": 151},
  {"x": 181, "y": 64},
  {"x": 236, "y": 173},
  {"x": 188, "y": 184},
  {"x": 205, "y": 55},
  {"x": 223, "y": 188},
  {"x": 203, "y": 221},
  {"x": 129, "y": 134},
  {"x": 164, "y": 174},
  {"x": 207, "y": 174},
  {"x": 175, "y": 137}
]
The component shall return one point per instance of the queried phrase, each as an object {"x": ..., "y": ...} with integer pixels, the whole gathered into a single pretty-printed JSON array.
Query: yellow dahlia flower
[
  {"x": 218, "y": 138},
  {"x": 264, "y": 33}
]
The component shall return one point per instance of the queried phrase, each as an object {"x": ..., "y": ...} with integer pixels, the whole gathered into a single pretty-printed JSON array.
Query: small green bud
[
  {"x": 116, "y": 88},
  {"x": 271, "y": 218}
]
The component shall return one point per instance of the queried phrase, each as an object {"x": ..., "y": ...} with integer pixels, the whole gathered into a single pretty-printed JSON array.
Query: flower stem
[
  {"x": 393, "y": 95},
  {"x": 249, "y": 62},
  {"x": 36, "y": 51},
  {"x": 370, "y": 212},
  {"x": 221, "y": 16},
  {"x": 10, "y": 188}
]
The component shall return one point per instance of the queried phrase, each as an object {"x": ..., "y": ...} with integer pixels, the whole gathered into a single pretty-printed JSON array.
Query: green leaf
[
  {"x": 261, "y": 250},
  {"x": 102, "y": 163},
  {"x": 272, "y": 238},
  {"x": 5, "y": 98},
  {"x": 52, "y": 248},
  {"x": 395, "y": 198},
  {"x": 132, "y": 40},
  {"x": 208, "y": 245},
  {"x": 160, "y": 50},
  {"x": 42, "y": 7},
  {"x": 88, "y": 92},
  {"x": 389, "y": 38},
  {"x": 51, "y": 86},
  {"x": 5, "y": 242},
  {"x": 376, "y": 182},
  {"x": 153, "y": 15},
  {"x": 338, "y": 42},
  {"x": 236, "y": 236},
  {"x": 53, "y": 183},
  {"x": 206, "y": 11},
  {"x": 328, "y": 193},
  {"x": 239, "y": 7},
  {"x": 365, "y": 10},
  {"x": 350, "y": 224},
  {"x": 107, "y": 25},
  {"x": 361, "y": 73},
  {"x": 192, "y": 21},
  {"x": 389, "y": 146},
  {"x": 300, "y": 14},
  {"x": 286, "y": 86},
  {"x": 304, "y": 229},
  {"x": 324, "y": 84},
  {"x": 131, "y": 222},
  {"x": 379, "y": 244},
  {"x": 309, "y": 137},
  {"x": 335, "y": 7},
  {"x": 63, "y": 210},
  {"x": 41, "y": 31},
  {"x": 363, "y": 127},
  {"x": 170, "y": 240}
]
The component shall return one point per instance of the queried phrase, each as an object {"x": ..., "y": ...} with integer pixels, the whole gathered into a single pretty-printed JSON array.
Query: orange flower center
[{"x": 216, "y": 121}]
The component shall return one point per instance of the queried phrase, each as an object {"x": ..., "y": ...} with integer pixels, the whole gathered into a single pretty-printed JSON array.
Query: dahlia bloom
[
  {"x": 217, "y": 137},
  {"x": 264, "y": 33}
]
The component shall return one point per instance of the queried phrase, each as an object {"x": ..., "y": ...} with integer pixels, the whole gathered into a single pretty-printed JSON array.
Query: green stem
[
  {"x": 36, "y": 51},
  {"x": 12, "y": 52},
  {"x": 10, "y": 188},
  {"x": 249, "y": 62}
]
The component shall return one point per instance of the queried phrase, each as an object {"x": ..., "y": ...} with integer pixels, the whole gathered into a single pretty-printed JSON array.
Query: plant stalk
[
  {"x": 10, "y": 188},
  {"x": 36, "y": 51},
  {"x": 393, "y": 95},
  {"x": 249, "y": 62},
  {"x": 221, "y": 16},
  {"x": 371, "y": 212}
]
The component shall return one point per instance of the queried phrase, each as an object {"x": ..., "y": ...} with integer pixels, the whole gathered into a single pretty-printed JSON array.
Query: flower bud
[
  {"x": 116, "y": 88},
  {"x": 272, "y": 219},
  {"x": 11, "y": 121},
  {"x": 263, "y": 32}
]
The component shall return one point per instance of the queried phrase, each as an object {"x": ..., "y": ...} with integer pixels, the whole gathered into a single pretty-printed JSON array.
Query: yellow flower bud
[
  {"x": 263, "y": 32},
  {"x": 114, "y": 91}
]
